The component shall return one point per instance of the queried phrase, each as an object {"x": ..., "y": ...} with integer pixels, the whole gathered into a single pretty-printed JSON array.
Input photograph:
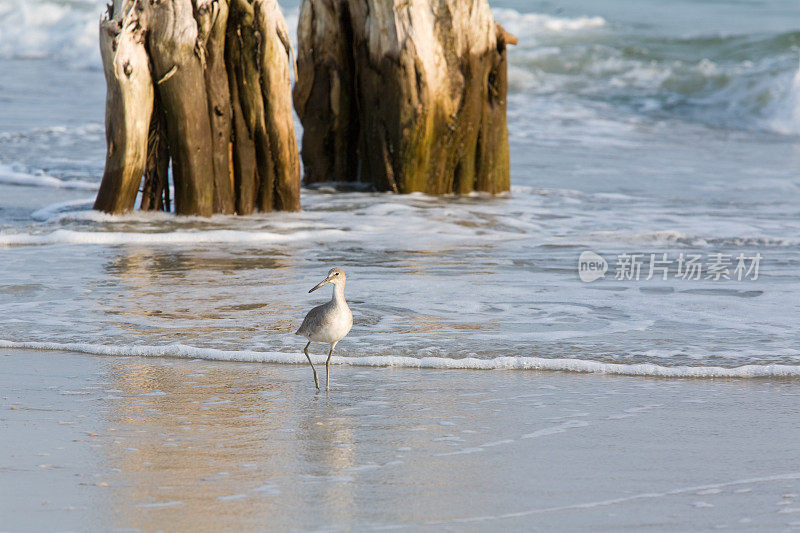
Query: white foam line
[
  {"x": 626, "y": 499},
  {"x": 560, "y": 428},
  {"x": 9, "y": 176},
  {"x": 53, "y": 210},
  {"x": 471, "y": 363},
  {"x": 544, "y": 22},
  {"x": 64, "y": 236}
]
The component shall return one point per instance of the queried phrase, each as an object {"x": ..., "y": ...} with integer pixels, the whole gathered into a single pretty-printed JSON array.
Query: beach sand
[{"x": 127, "y": 443}]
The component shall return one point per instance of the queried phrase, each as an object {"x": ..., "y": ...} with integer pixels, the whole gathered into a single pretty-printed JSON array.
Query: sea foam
[
  {"x": 66, "y": 236},
  {"x": 468, "y": 363},
  {"x": 10, "y": 176},
  {"x": 534, "y": 23},
  {"x": 64, "y": 30}
]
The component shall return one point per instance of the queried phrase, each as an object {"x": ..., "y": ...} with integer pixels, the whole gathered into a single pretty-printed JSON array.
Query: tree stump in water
[
  {"x": 203, "y": 85},
  {"x": 409, "y": 95}
]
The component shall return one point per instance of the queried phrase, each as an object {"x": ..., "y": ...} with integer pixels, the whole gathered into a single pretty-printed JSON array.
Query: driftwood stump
[
  {"x": 203, "y": 85},
  {"x": 409, "y": 95}
]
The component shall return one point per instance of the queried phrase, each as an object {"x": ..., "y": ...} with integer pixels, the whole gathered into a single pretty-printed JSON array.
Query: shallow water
[
  {"x": 109, "y": 443},
  {"x": 629, "y": 134}
]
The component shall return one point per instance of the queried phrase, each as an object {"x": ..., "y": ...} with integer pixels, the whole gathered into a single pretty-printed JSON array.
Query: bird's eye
[{"x": 335, "y": 273}]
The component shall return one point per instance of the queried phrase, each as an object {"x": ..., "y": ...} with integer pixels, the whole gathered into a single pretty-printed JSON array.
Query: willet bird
[{"x": 329, "y": 322}]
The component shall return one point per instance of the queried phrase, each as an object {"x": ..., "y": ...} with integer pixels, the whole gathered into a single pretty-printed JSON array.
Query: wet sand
[{"x": 127, "y": 443}]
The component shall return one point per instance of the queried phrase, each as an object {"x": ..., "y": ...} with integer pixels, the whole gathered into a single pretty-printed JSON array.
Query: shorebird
[{"x": 329, "y": 322}]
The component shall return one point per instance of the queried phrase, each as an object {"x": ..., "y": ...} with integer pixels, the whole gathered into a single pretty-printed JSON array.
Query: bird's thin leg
[
  {"x": 328, "y": 368},
  {"x": 305, "y": 350}
]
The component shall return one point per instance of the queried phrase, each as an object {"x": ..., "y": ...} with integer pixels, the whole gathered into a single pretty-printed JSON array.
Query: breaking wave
[
  {"x": 749, "y": 80},
  {"x": 64, "y": 236},
  {"x": 10, "y": 176},
  {"x": 49, "y": 29},
  {"x": 467, "y": 363}
]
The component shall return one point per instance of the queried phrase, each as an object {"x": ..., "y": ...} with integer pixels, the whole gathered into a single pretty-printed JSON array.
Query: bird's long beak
[{"x": 320, "y": 284}]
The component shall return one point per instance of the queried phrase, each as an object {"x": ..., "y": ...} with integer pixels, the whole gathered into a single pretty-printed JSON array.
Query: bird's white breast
[{"x": 336, "y": 321}]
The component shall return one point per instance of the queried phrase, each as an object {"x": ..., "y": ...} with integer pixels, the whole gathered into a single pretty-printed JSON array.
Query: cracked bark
[
  {"x": 200, "y": 85},
  {"x": 405, "y": 95}
]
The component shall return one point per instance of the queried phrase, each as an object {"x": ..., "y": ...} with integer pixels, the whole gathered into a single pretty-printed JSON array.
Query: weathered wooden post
[
  {"x": 129, "y": 104},
  {"x": 205, "y": 85},
  {"x": 409, "y": 95}
]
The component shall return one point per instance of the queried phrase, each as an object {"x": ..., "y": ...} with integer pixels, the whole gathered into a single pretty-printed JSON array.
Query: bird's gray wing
[{"x": 313, "y": 321}]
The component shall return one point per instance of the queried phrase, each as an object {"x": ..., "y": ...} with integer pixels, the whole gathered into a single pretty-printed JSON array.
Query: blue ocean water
[{"x": 636, "y": 128}]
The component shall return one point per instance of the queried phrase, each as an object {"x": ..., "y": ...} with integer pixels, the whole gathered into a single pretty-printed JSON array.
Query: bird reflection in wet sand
[{"x": 329, "y": 322}]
